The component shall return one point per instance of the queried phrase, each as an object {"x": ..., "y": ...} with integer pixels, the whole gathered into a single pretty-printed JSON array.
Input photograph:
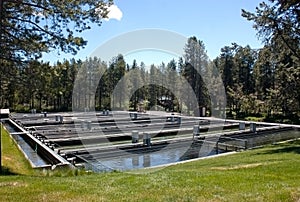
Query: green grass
[
  {"x": 253, "y": 118},
  {"x": 268, "y": 174},
  {"x": 13, "y": 160}
]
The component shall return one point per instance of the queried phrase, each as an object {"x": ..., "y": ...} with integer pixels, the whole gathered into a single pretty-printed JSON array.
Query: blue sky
[{"x": 216, "y": 22}]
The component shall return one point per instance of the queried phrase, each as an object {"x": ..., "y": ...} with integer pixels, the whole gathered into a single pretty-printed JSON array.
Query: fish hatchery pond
[{"x": 107, "y": 141}]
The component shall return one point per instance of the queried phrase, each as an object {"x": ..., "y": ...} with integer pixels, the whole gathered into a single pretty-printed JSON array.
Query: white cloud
[{"x": 114, "y": 13}]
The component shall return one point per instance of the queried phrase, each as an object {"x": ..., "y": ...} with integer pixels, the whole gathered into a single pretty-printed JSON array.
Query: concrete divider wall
[{"x": 42, "y": 150}]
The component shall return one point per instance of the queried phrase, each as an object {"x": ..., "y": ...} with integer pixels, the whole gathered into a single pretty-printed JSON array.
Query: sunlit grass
[{"x": 13, "y": 160}]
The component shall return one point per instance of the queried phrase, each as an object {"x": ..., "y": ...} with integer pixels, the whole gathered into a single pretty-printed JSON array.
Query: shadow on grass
[
  {"x": 5, "y": 171},
  {"x": 291, "y": 147}
]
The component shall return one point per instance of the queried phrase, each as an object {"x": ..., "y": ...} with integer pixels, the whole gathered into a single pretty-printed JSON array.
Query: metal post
[
  {"x": 242, "y": 126},
  {"x": 196, "y": 131},
  {"x": 135, "y": 136}
]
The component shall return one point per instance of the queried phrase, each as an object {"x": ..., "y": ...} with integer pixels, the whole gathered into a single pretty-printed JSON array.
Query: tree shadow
[
  {"x": 6, "y": 171},
  {"x": 291, "y": 147}
]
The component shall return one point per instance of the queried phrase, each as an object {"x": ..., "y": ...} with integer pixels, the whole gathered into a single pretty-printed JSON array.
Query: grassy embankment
[{"x": 268, "y": 174}]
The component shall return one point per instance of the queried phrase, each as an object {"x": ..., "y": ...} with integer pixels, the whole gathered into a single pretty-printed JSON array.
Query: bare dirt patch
[
  {"x": 296, "y": 195},
  {"x": 7, "y": 158},
  {"x": 244, "y": 166},
  {"x": 12, "y": 184}
]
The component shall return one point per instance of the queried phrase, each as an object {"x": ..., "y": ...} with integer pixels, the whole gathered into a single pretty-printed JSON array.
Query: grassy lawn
[
  {"x": 268, "y": 174},
  {"x": 13, "y": 160}
]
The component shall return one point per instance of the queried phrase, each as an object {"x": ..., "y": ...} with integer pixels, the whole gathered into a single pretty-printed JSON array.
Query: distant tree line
[{"x": 257, "y": 82}]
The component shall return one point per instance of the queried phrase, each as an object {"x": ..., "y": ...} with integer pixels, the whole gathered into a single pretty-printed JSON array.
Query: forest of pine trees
[{"x": 256, "y": 83}]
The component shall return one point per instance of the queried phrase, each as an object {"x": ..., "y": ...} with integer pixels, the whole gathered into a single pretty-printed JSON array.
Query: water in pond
[{"x": 144, "y": 159}]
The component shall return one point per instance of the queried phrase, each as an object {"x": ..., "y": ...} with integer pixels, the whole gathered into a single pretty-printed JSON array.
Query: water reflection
[{"x": 147, "y": 159}]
